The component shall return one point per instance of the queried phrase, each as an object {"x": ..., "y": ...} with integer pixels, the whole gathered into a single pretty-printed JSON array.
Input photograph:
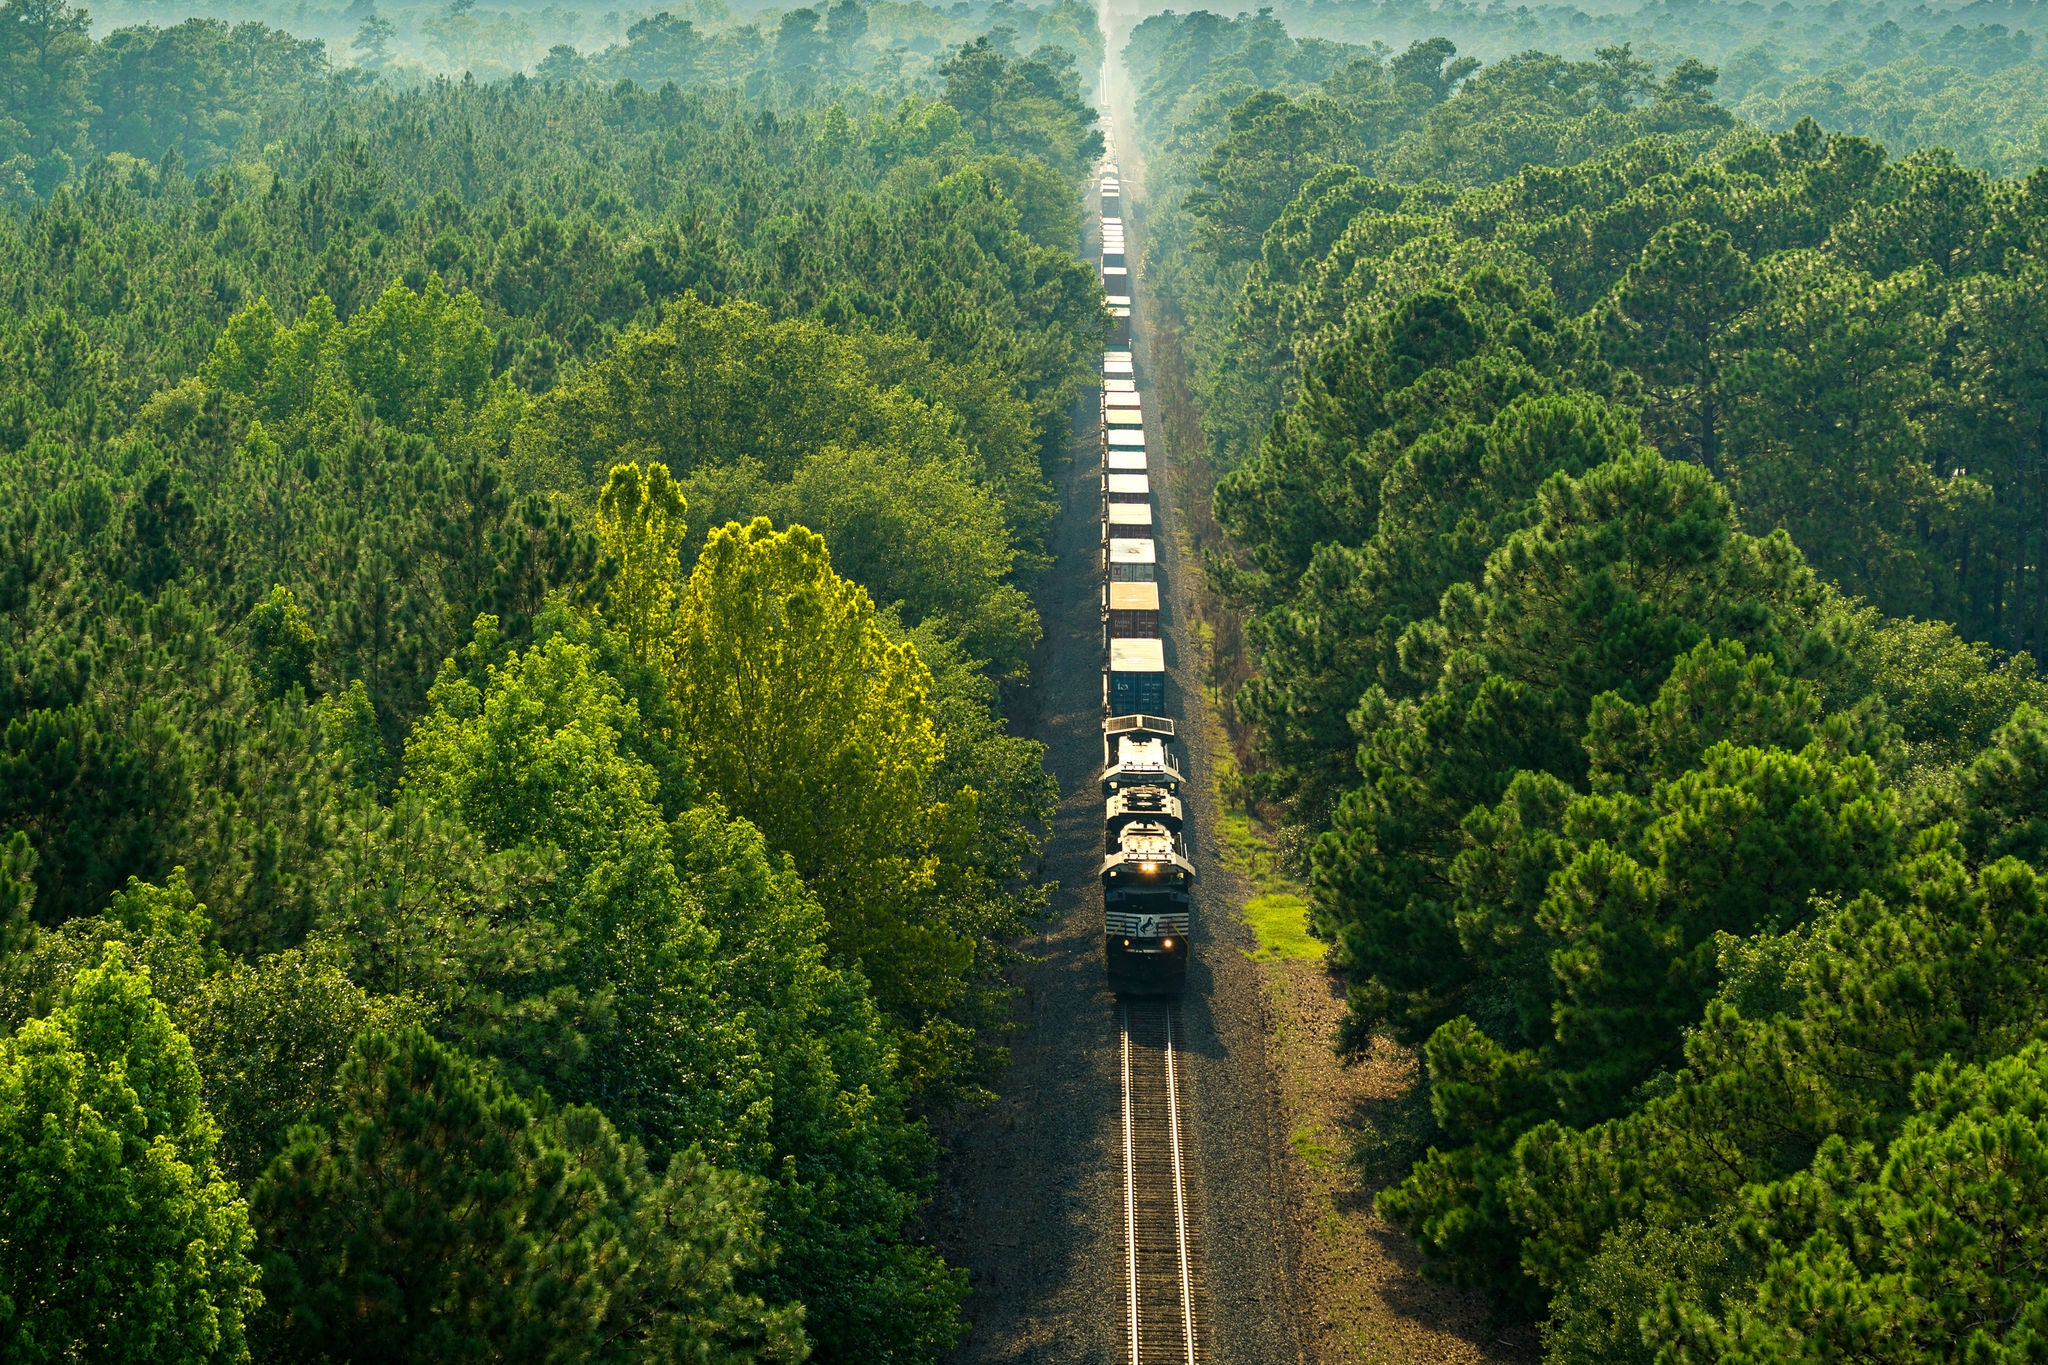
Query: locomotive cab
[
  {"x": 1147, "y": 884},
  {"x": 1147, "y": 860}
]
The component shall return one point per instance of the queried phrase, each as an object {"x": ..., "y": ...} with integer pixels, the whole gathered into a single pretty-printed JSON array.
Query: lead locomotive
[{"x": 1147, "y": 879}]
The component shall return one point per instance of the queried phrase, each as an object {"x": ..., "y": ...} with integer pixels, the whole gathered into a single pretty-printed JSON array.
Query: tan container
[{"x": 1132, "y": 610}]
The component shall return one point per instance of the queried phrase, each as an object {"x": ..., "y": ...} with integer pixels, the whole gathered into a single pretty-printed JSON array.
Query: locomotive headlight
[
  {"x": 1150, "y": 867},
  {"x": 1168, "y": 945}
]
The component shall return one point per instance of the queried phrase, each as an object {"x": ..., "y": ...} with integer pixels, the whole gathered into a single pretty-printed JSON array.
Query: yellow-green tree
[
  {"x": 123, "y": 1239},
  {"x": 640, "y": 531},
  {"x": 805, "y": 718}
]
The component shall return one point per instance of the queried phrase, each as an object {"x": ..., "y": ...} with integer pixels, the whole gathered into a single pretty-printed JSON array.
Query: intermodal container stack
[{"x": 1147, "y": 877}]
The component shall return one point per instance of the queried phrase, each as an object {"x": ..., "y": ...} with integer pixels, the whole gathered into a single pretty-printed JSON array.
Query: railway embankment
[{"x": 1032, "y": 1200}]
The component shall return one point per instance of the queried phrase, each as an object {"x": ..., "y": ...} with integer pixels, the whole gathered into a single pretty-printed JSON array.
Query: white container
[{"x": 1122, "y": 516}]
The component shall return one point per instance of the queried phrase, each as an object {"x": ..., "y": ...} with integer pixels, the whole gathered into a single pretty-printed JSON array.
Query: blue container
[{"x": 1137, "y": 678}]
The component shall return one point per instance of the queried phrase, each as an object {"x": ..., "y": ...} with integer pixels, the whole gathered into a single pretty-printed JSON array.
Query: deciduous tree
[{"x": 124, "y": 1241}]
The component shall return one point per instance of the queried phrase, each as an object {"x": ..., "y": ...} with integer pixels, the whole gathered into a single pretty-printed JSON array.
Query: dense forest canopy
[
  {"x": 508, "y": 597},
  {"x": 1636, "y": 516},
  {"x": 520, "y": 546}
]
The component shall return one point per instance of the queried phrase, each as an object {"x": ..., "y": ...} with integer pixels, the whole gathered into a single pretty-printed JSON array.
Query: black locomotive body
[{"x": 1147, "y": 878}]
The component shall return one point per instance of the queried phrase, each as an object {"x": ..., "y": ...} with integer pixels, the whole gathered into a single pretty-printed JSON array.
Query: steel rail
[
  {"x": 1130, "y": 1187},
  {"x": 1159, "y": 1260},
  {"x": 1180, "y": 1203}
]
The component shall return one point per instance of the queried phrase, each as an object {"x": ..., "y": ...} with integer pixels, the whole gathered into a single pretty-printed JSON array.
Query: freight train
[{"x": 1147, "y": 877}]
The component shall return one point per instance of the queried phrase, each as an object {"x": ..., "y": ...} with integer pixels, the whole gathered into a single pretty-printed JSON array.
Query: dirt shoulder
[{"x": 1363, "y": 1297}]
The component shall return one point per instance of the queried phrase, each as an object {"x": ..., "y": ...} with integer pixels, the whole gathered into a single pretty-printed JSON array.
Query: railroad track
[{"x": 1159, "y": 1265}]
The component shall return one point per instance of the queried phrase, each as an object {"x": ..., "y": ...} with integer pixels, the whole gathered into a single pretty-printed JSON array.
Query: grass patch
[
  {"x": 1280, "y": 919},
  {"x": 1310, "y": 1147}
]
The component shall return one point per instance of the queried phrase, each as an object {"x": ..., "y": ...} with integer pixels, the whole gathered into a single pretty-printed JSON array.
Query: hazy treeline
[
  {"x": 1969, "y": 77},
  {"x": 1636, "y": 518},
  {"x": 889, "y": 47},
  {"x": 210, "y": 89},
  {"x": 508, "y": 824}
]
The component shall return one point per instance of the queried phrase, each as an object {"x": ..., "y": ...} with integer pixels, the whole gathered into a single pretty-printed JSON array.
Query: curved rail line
[{"x": 1158, "y": 1261}]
